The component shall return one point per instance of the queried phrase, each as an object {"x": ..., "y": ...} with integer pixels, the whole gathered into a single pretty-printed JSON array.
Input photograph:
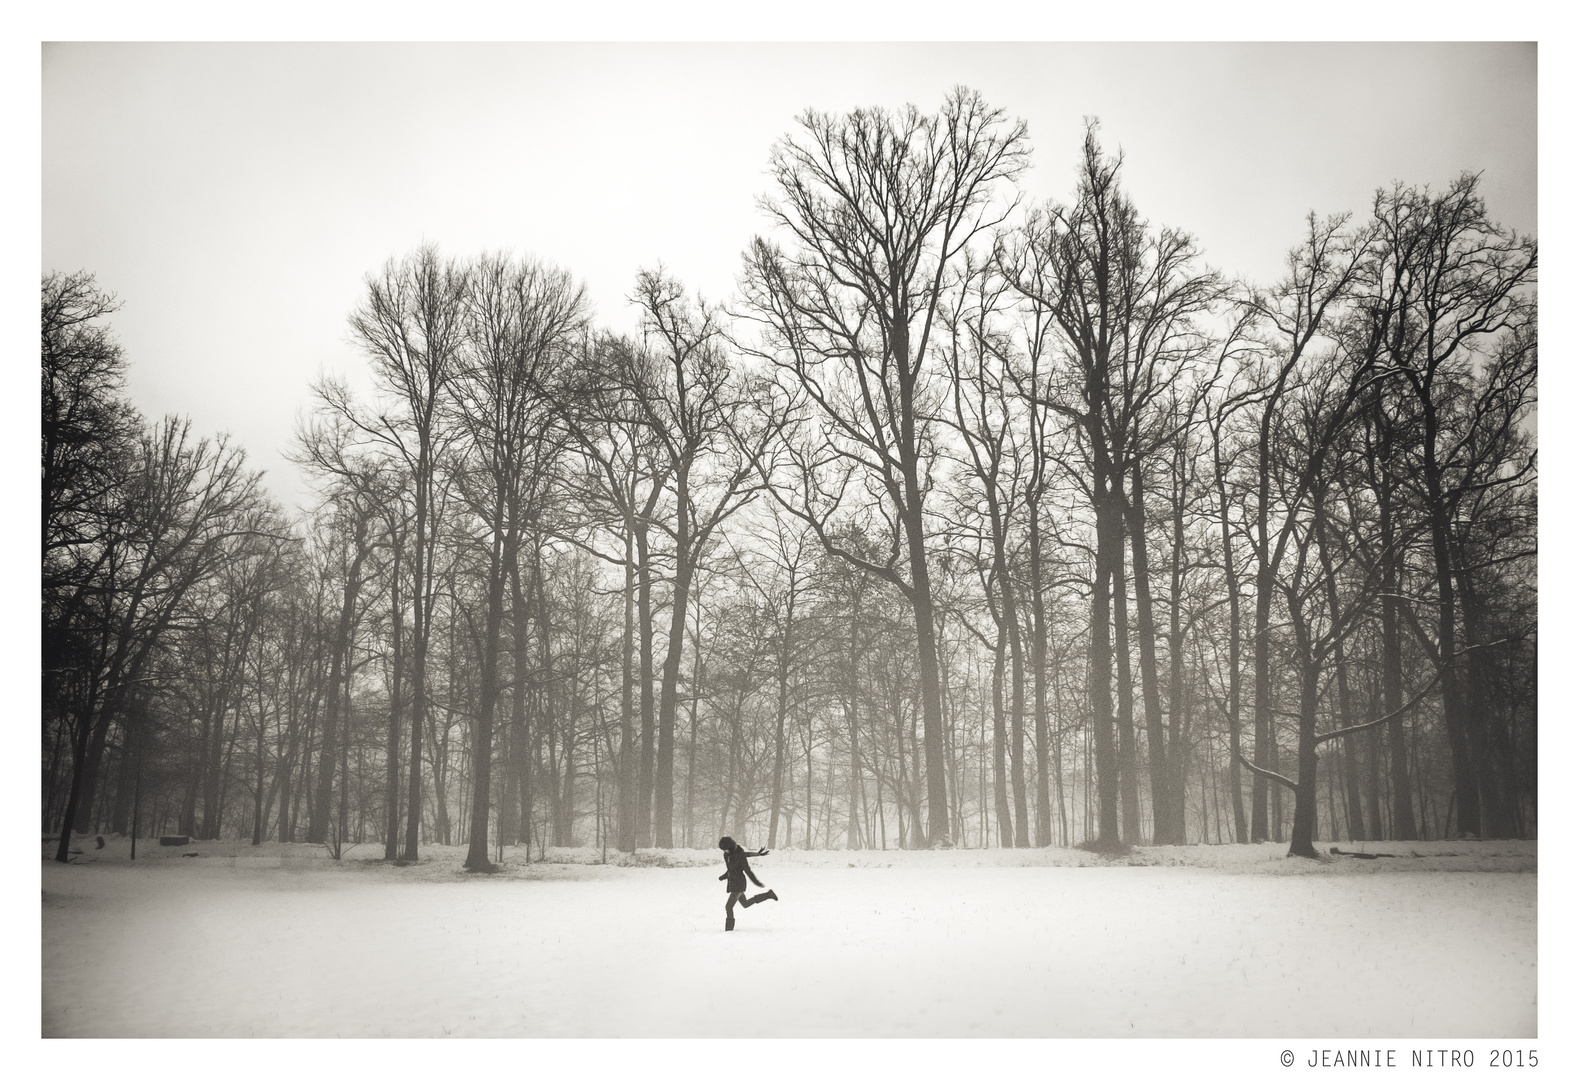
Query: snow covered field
[{"x": 1438, "y": 941}]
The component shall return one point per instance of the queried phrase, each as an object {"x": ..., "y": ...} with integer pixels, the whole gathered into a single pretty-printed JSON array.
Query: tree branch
[
  {"x": 1268, "y": 773},
  {"x": 1411, "y": 703}
]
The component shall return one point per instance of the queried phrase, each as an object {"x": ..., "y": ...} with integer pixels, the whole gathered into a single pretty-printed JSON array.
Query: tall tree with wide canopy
[
  {"x": 696, "y": 407},
  {"x": 877, "y": 208},
  {"x": 522, "y": 320},
  {"x": 410, "y": 325},
  {"x": 1123, "y": 302},
  {"x": 1460, "y": 330}
]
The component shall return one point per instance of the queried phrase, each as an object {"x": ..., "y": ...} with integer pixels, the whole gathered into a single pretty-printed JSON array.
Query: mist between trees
[{"x": 965, "y": 522}]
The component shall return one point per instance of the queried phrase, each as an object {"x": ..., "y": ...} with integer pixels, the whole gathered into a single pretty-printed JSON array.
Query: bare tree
[
  {"x": 1459, "y": 284},
  {"x": 1124, "y": 302},
  {"x": 623, "y": 483},
  {"x": 410, "y": 325},
  {"x": 698, "y": 414},
  {"x": 782, "y": 581},
  {"x": 87, "y": 429},
  {"x": 522, "y": 319},
  {"x": 356, "y": 493},
  {"x": 1298, "y": 312},
  {"x": 986, "y": 417},
  {"x": 878, "y": 207},
  {"x": 184, "y": 501}
]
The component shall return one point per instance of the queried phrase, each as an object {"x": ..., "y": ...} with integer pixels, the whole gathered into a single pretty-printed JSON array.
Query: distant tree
[
  {"x": 781, "y": 578},
  {"x": 347, "y": 540},
  {"x": 88, "y": 435},
  {"x": 87, "y": 428},
  {"x": 183, "y": 503}
]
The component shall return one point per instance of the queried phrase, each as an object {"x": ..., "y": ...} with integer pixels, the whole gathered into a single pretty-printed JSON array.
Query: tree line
[{"x": 965, "y": 521}]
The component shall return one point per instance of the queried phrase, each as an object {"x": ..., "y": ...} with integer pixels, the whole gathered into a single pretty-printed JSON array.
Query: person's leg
[
  {"x": 729, "y": 909},
  {"x": 761, "y": 896}
]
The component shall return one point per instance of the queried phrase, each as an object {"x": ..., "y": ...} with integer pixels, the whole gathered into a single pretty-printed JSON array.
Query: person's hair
[{"x": 727, "y": 842}]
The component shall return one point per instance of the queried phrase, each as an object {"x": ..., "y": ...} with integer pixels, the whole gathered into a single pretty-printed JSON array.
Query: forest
[{"x": 967, "y": 521}]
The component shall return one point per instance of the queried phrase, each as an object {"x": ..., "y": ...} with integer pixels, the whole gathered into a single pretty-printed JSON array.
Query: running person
[{"x": 736, "y": 871}]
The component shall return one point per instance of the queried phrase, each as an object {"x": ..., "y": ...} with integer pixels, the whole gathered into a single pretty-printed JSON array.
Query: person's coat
[{"x": 738, "y": 869}]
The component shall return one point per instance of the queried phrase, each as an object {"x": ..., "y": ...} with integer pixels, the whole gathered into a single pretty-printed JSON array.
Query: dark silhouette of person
[{"x": 736, "y": 871}]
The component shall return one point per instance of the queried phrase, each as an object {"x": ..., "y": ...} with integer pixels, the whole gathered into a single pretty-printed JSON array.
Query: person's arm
[{"x": 758, "y": 854}]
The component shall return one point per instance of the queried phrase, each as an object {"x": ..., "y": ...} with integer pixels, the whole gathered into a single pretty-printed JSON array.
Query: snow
[{"x": 1438, "y": 941}]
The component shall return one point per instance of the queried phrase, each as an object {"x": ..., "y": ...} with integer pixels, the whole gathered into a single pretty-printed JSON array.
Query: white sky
[{"x": 234, "y": 196}]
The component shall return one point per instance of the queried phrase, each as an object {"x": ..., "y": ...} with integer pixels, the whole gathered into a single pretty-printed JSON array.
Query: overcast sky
[{"x": 234, "y": 196}]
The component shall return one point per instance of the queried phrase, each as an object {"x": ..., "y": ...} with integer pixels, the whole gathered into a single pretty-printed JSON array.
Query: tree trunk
[
  {"x": 1129, "y": 795},
  {"x": 1488, "y": 750},
  {"x": 1263, "y": 689},
  {"x": 1022, "y": 827},
  {"x": 1380, "y": 467},
  {"x": 1302, "y": 839},
  {"x": 513, "y": 816},
  {"x": 668, "y": 699},
  {"x": 937, "y": 834},
  {"x": 1164, "y": 829},
  {"x": 852, "y": 694},
  {"x": 1351, "y": 768},
  {"x": 1465, "y": 787},
  {"x": 1044, "y": 815},
  {"x": 257, "y": 792},
  {"x": 648, "y": 726},
  {"x": 999, "y": 739},
  {"x": 1231, "y": 575},
  {"x": 625, "y": 765},
  {"x": 1102, "y": 673},
  {"x": 698, "y": 670},
  {"x": 421, "y": 624},
  {"x": 913, "y": 521},
  {"x": 1180, "y": 697},
  {"x": 79, "y": 751},
  {"x": 318, "y": 813},
  {"x": 477, "y": 858},
  {"x": 546, "y": 681},
  {"x": 396, "y": 717},
  {"x": 780, "y": 712}
]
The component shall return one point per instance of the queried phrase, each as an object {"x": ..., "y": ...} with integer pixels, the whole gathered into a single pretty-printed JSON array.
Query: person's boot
[
  {"x": 757, "y": 899},
  {"x": 729, "y": 922}
]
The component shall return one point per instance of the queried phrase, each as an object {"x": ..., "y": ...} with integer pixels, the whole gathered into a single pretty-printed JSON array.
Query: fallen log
[{"x": 1363, "y": 854}]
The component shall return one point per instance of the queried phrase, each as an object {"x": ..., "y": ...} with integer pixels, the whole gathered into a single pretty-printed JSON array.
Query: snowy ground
[{"x": 1438, "y": 941}]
